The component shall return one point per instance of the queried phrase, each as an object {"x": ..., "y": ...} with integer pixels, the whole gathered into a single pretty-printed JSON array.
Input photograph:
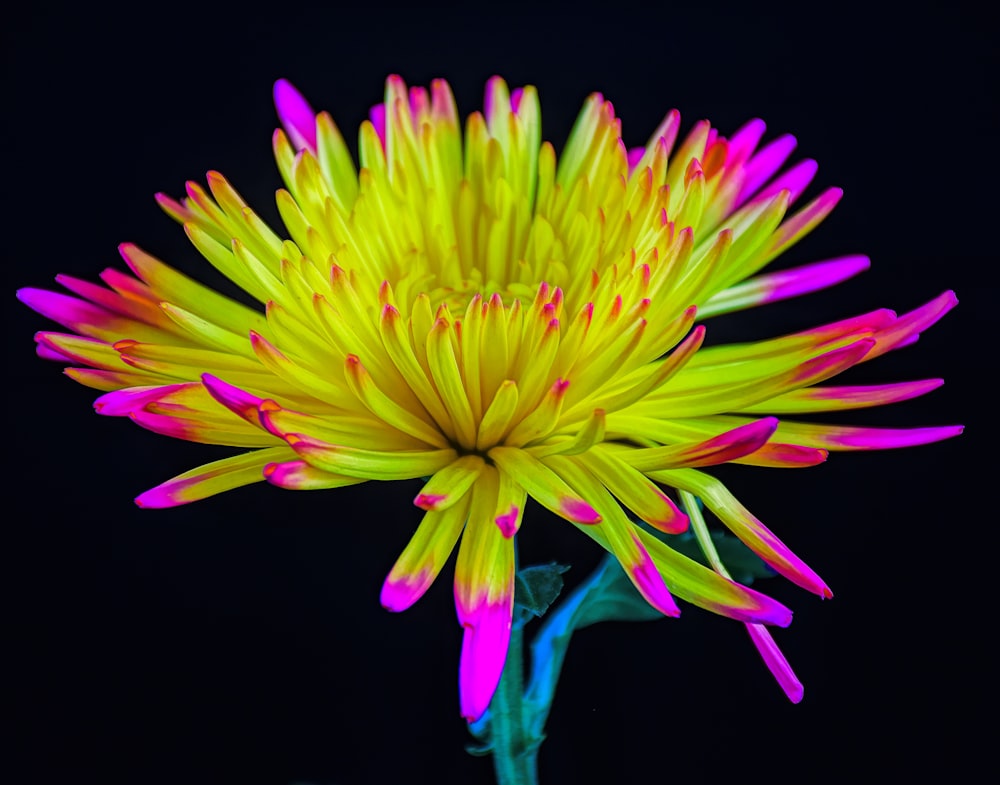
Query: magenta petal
[
  {"x": 811, "y": 277},
  {"x": 486, "y": 636},
  {"x": 734, "y": 443},
  {"x": 776, "y": 662},
  {"x": 74, "y": 314},
  {"x": 122, "y": 403},
  {"x": 233, "y": 398},
  {"x": 745, "y": 141},
  {"x": 490, "y": 98},
  {"x": 787, "y": 456},
  {"x": 158, "y": 498},
  {"x": 377, "y": 116},
  {"x": 165, "y": 424},
  {"x": 634, "y": 156},
  {"x": 848, "y": 438},
  {"x": 650, "y": 583},
  {"x": 296, "y": 115},
  {"x": 400, "y": 593},
  {"x": 795, "y": 181},
  {"x": 48, "y": 353},
  {"x": 515, "y": 99},
  {"x": 762, "y": 166},
  {"x": 907, "y": 328},
  {"x": 300, "y": 476}
]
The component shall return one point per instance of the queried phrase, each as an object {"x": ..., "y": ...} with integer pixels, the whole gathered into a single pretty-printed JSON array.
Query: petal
[
  {"x": 635, "y": 491},
  {"x": 705, "y": 588},
  {"x": 449, "y": 485},
  {"x": 725, "y": 447},
  {"x": 511, "y": 499},
  {"x": 213, "y": 478},
  {"x": 776, "y": 662},
  {"x": 762, "y": 166},
  {"x": 424, "y": 555},
  {"x": 744, "y": 525},
  {"x": 907, "y": 327},
  {"x": 484, "y": 599},
  {"x": 88, "y": 319},
  {"x": 784, "y": 284},
  {"x": 296, "y": 115},
  {"x": 121, "y": 403},
  {"x": 300, "y": 476},
  {"x": 385, "y": 408},
  {"x": 829, "y": 399},
  {"x": 544, "y": 485},
  {"x": 843, "y": 437},
  {"x": 619, "y": 535},
  {"x": 369, "y": 464}
]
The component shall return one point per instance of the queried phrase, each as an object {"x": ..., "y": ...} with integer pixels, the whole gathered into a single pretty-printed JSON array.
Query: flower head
[{"x": 467, "y": 309}]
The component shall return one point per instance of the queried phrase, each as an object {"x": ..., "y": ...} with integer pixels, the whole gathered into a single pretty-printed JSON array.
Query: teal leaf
[
  {"x": 535, "y": 589},
  {"x": 479, "y": 750},
  {"x": 606, "y": 595}
]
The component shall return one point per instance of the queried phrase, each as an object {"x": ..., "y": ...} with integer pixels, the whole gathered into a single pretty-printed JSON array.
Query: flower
[{"x": 470, "y": 311}]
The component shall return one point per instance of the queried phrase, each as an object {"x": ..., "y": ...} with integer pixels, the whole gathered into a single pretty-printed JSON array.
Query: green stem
[{"x": 515, "y": 761}]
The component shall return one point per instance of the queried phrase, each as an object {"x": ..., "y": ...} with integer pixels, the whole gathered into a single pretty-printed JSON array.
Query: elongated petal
[
  {"x": 635, "y": 491},
  {"x": 213, "y": 478},
  {"x": 484, "y": 599},
  {"x": 773, "y": 287},
  {"x": 728, "y": 446},
  {"x": 424, "y": 555},
  {"x": 544, "y": 485},
  {"x": 776, "y": 662},
  {"x": 369, "y": 464},
  {"x": 705, "y": 588},
  {"x": 449, "y": 485},
  {"x": 828, "y": 399},
  {"x": 301, "y": 476},
  {"x": 620, "y": 535},
  {"x": 751, "y": 531}
]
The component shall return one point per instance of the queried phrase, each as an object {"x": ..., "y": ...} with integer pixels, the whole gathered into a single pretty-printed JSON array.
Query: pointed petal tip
[
  {"x": 399, "y": 592},
  {"x": 429, "y": 501},
  {"x": 156, "y": 499},
  {"x": 776, "y": 662},
  {"x": 578, "y": 511},
  {"x": 650, "y": 583}
]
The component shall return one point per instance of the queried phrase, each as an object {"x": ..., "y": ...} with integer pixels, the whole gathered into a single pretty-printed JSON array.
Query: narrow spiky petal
[
  {"x": 744, "y": 525},
  {"x": 424, "y": 555},
  {"x": 776, "y": 662},
  {"x": 213, "y": 478}
]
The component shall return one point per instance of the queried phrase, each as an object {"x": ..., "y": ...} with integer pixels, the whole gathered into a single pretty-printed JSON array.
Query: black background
[{"x": 240, "y": 639}]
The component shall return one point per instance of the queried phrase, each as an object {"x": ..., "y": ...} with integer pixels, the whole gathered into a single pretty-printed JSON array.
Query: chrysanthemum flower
[{"x": 468, "y": 309}]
